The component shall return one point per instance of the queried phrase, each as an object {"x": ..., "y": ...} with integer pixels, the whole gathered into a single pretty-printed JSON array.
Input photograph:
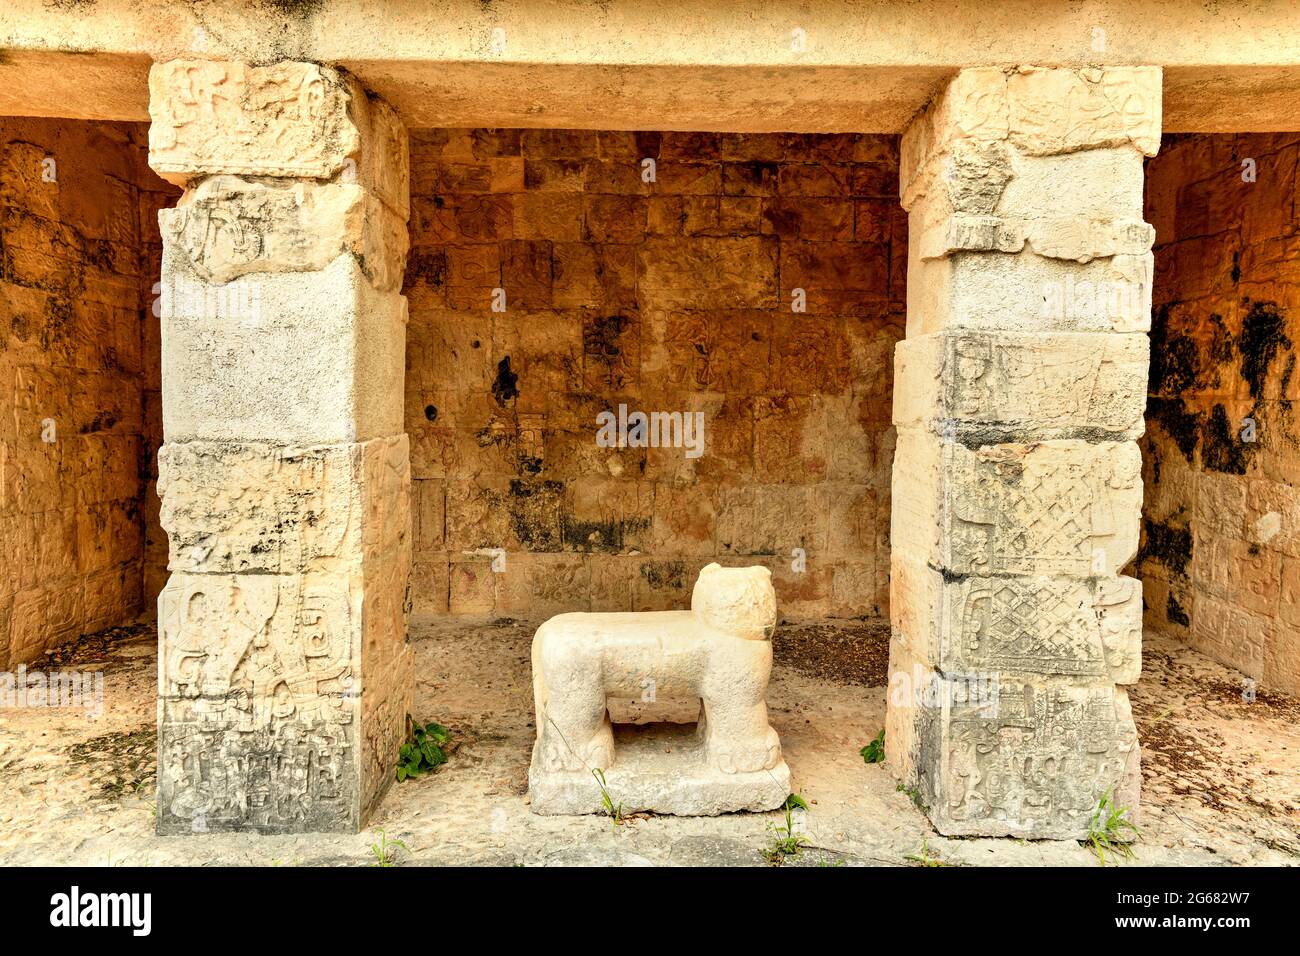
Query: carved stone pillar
[
  {"x": 1019, "y": 391},
  {"x": 284, "y": 672}
]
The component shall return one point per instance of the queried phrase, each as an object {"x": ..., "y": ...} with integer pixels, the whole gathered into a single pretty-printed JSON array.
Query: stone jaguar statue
[{"x": 720, "y": 651}]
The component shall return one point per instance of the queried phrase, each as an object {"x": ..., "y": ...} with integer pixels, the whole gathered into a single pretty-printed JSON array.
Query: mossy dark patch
[
  {"x": 506, "y": 385},
  {"x": 1166, "y": 544},
  {"x": 1175, "y": 614},
  {"x": 1262, "y": 337},
  {"x": 534, "y": 508},
  {"x": 611, "y": 535},
  {"x": 1180, "y": 424},
  {"x": 664, "y": 574},
  {"x": 1222, "y": 447},
  {"x": 1180, "y": 363},
  {"x": 428, "y": 267},
  {"x": 1175, "y": 359}
]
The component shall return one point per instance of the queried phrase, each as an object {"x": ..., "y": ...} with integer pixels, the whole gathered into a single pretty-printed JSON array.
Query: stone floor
[{"x": 1222, "y": 775}]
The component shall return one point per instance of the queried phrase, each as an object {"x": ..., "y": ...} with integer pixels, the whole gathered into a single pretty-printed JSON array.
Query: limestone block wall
[
  {"x": 1220, "y": 555},
  {"x": 663, "y": 272},
  {"x": 78, "y": 379}
]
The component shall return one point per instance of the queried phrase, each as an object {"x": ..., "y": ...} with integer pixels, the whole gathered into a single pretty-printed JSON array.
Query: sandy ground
[{"x": 1221, "y": 774}]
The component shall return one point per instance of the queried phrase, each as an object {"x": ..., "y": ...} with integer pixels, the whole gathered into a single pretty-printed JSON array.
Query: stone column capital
[
  {"x": 1037, "y": 111},
  {"x": 286, "y": 120}
]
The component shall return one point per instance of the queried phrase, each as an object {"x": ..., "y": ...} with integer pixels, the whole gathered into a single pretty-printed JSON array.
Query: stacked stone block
[
  {"x": 1019, "y": 394},
  {"x": 75, "y": 201},
  {"x": 1220, "y": 556},
  {"x": 285, "y": 675},
  {"x": 670, "y": 293}
]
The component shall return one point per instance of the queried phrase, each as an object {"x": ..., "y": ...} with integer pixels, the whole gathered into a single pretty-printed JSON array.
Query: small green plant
[
  {"x": 874, "y": 752},
  {"x": 913, "y": 794},
  {"x": 385, "y": 850},
  {"x": 612, "y": 810},
  {"x": 1111, "y": 830},
  {"x": 423, "y": 750},
  {"x": 922, "y": 857},
  {"x": 785, "y": 841}
]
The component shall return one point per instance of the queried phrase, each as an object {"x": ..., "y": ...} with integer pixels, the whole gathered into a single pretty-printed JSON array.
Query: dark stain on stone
[
  {"x": 976, "y": 437},
  {"x": 1236, "y": 267},
  {"x": 102, "y": 422},
  {"x": 1175, "y": 613},
  {"x": 1262, "y": 337},
  {"x": 534, "y": 508},
  {"x": 664, "y": 574},
  {"x": 1175, "y": 360},
  {"x": 609, "y": 536},
  {"x": 1221, "y": 346},
  {"x": 1177, "y": 363},
  {"x": 431, "y": 267},
  {"x": 1152, "y": 452},
  {"x": 1180, "y": 424},
  {"x": 1222, "y": 447},
  {"x": 600, "y": 336},
  {"x": 506, "y": 385},
  {"x": 1166, "y": 544}
]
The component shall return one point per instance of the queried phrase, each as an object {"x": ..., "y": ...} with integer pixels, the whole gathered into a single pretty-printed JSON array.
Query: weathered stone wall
[
  {"x": 671, "y": 295},
  {"x": 78, "y": 379},
  {"x": 1220, "y": 555}
]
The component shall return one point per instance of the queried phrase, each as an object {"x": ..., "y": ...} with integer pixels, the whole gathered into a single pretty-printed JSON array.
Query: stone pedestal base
[{"x": 660, "y": 768}]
